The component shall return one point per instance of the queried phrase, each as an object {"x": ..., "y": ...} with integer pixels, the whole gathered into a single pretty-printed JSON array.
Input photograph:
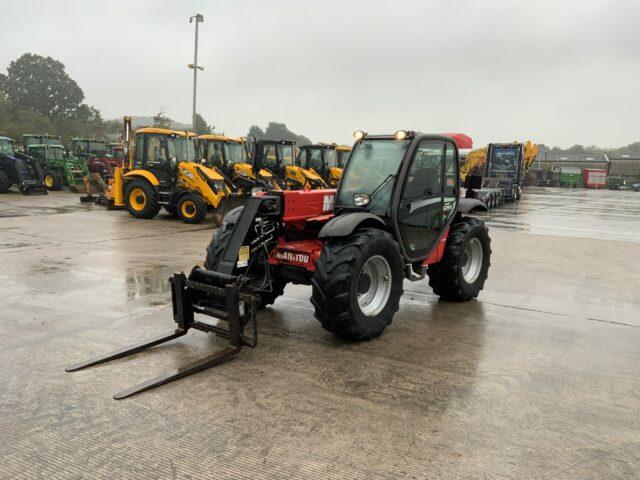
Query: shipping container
[{"x": 594, "y": 178}]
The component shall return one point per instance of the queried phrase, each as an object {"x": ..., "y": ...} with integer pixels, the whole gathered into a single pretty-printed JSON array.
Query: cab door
[
  {"x": 157, "y": 158},
  {"x": 428, "y": 197}
]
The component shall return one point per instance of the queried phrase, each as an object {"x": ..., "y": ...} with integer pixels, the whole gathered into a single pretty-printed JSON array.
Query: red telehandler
[{"x": 396, "y": 215}]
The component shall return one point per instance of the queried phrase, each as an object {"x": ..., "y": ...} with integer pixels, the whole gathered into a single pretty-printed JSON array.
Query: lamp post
[{"x": 194, "y": 66}]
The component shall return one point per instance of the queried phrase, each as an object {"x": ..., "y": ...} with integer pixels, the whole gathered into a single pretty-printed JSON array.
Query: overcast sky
[{"x": 556, "y": 72}]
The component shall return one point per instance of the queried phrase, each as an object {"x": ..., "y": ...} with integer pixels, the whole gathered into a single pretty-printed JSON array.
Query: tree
[
  {"x": 160, "y": 120},
  {"x": 42, "y": 85},
  {"x": 202, "y": 127},
  {"x": 256, "y": 132},
  {"x": 278, "y": 131}
]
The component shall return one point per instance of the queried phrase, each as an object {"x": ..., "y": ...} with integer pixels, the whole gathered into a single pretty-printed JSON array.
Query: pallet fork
[{"x": 204, "y": 292}]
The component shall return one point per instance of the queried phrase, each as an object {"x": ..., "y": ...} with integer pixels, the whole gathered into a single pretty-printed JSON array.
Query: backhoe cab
[
  {"x": 163, "y": 172},
  {"x": 326, "y": 161},
  {"x": 59, "y": 169},
  {"x": 19, "y": 169},
  {"x": 396, "y": 215},
  {"x": 228, "y": 155},
  {"x": 278, "y": 158}
]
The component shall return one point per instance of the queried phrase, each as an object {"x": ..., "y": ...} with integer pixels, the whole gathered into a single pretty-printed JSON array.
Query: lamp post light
[{"x": 194, "y": 66}]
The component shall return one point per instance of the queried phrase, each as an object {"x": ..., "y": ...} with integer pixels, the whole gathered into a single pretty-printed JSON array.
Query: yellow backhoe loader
[
  {"x": 325, "y": 160},
  {"x": 161, "y": 171}
]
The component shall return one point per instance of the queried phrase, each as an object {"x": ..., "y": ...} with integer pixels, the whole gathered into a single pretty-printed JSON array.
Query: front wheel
[
  {"x": 357, "y": 284},
  {"x": 463, "y": 270},
  {"x": 192, "y": 208}
]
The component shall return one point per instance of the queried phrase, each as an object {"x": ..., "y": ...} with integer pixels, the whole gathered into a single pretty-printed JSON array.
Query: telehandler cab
[
  {"x": 19, "y": 169},
  {"x": 327, "y": 161},
  {"x": 162, "y": 172},
  {"x": 396, "y": 215}
]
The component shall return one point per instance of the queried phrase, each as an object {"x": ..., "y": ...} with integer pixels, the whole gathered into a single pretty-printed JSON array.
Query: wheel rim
[
  {"x": 374, "y": 285},
  {"x": 188, "y": 209},
  {"x": 137, "y": 199},
  {"x": 48, "y": 180},
  {"x": 473, "y": 260}
]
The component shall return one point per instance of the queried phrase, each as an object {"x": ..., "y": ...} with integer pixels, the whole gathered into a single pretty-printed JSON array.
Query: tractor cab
[
  {"x": 116, "y": 151},
  {"x": 96, "y": 153},
  {"x": 59, "y": 169},
  {"x": 327, "y": 161}
]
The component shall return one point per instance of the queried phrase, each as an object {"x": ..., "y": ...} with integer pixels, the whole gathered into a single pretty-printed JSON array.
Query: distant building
[
  {"x": 625, "y": 166},
  {"x": 548, "y": 161}
]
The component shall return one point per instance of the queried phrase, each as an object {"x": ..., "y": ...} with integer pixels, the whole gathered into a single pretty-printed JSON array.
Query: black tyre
[
  {"x": 461, "y": 273},
  {"x": 5, "y": 182},
  {"x": 192, "y": 208},
  {"x": 140, "y": 199},
  {"x": 357, "y": 284},
  {"x": 172, "y": 210},
  {"x": 271, "y": 289},
  {"x": 53, "y": 180}
]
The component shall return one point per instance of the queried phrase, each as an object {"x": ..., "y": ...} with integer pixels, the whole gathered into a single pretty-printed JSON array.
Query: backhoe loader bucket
[
  {"x": 205, "y": 293},
  {"x": 93, "y": 183}
]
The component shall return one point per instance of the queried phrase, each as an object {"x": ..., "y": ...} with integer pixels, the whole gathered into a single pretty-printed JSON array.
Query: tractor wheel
[
  {"x": 140, "y": 199},
  {"x": 53, "y": 180},
  {"x": 192, "y": 208},
  {"x": 357, "y": 284},
  {"x": 461, "y": 273},
  {"x": 5, "y": 182},
  {"x": 217, "y": 246}
]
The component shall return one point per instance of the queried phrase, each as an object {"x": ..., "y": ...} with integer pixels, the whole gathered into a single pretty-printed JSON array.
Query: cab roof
[
  {"x": 221, "y": 138},
  {"x": 166, "y": 131},
  {"x": 6, "y": 138}
]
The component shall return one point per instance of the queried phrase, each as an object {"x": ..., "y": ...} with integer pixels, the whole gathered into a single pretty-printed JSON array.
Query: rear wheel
[
  {"x": 461, "y": 273},
  {"x": 5, "y": 182},
  {"x": 267, "y": 284},
  {"x": 357, "y": 284},
  {"x": 140, "y": 199},
  {"x": 192, "y": 208},
  {"x": 53, "y": 180}
]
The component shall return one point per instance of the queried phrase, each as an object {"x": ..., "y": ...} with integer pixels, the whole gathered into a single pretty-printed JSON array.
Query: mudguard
[
  {"x": 466, "y": 205},
  {"x": 346, "y": 224},
  {"x": 150, "y": 177}
]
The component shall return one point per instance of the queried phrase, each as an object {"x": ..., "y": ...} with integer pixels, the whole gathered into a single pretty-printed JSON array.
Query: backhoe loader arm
[{"x": 474, "y": 159}]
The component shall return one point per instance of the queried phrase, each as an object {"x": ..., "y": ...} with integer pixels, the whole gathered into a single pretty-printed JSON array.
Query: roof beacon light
[
  {"x": 358, "y": 134},
  {"x": 401, "y": 134}
]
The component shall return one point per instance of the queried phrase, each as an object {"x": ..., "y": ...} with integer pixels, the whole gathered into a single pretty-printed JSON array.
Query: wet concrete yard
[{"x": 539, "y": 378}]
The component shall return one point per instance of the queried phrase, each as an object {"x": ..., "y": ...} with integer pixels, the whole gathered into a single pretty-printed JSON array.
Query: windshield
[
  {"x": 331, "y": 158},
  {"x": 342, "y": 157},
  {"x": 504, "y": 160},
  {"x": 286, "y": 154},
  {"x": 6, "y": 148},
  {"x": 214, "y": 153},
  {"x": 117, "y": 153},
  {"x": 185, "y": 149},
  {"x": 54, "y": 153},
  {"x": 97, "y": 148},
  {"x": 371, "y": 168},
  {"x": 269, "y": 159},
  {"x": 235, "y": 152},
  {"x": 312, "y": 158}
]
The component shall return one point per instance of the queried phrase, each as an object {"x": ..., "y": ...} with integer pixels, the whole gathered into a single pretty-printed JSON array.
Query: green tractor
[{"x": 59, "y": 169}]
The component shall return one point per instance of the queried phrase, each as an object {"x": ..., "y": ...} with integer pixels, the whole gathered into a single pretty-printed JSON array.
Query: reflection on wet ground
[
  {"x": 538, "y": 378},
  {"x": 586, "y": 213}
]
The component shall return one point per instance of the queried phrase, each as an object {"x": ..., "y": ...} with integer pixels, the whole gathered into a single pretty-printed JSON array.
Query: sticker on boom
[
  {"x": 290, "y": 256},
  {"x": 243, "y": 256}
]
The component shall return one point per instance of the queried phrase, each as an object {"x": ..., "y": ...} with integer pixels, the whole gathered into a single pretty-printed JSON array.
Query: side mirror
[{"x": 203, "y": 161}]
